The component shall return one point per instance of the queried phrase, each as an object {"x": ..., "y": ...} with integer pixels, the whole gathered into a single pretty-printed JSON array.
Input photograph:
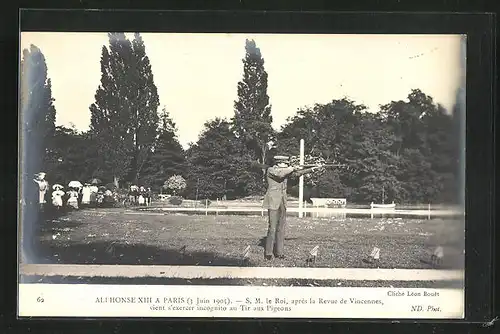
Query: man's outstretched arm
[
  {"x": 280, "y": 172},
  {"x": 300, "y": 172}
]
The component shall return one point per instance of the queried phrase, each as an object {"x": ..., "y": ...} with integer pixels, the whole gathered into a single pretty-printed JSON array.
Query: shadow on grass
[
  {"x": 41, "y": 222},
  {"x": 262, "y": 241},
  {"x": 127, "y": 254},
  {"x": 453, "y": 263},
  {"x": 36, "y": 223}
]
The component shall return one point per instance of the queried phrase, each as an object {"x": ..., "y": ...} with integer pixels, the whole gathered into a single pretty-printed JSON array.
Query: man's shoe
[
  {"x": 268, "y": 257},
  {"x": 281, "y": 257}
]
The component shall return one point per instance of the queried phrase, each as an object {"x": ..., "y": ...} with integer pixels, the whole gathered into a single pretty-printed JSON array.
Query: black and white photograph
[{"x": 325, "y": 173}]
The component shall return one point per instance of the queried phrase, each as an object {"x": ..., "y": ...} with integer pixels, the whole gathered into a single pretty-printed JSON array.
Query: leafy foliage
[
  {"x": 252, "y": 121},
  {"x": 74, "y": 157},
  {"x": 175, "y": 200},
  {"x": 175, "y": 184},
  {"x": 110, "y": 111},
  {"x": 144, "y": 106},
  {"x": 408, "y": 151},
  {"x": 38, "y": 112},
  {"x": 167, "y": 158},
  {"x": 216, "y": 167},
  {"x": 404, "y": 153},
  {"x": 124, "y": 116}
]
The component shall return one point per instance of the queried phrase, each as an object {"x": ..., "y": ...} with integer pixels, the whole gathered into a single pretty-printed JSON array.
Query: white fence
[
  {"x": 329, "y": 202},
  {"x": 374, "y": 206},
  {"x": 332, "y": 212},
  {"x": 163, "y": 197}
]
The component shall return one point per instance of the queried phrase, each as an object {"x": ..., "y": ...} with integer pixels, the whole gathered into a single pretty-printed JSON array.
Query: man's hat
[{"x": 281, "y": 158}]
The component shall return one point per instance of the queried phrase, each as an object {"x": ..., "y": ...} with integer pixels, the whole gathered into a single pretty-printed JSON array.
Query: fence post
[
  {"x": 206, "y": 207},
  {"x": 429, "y": 211},
  {"x": 371, "y": 210}
]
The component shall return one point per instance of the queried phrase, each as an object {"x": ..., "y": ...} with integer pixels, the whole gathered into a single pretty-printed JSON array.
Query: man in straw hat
[{"x": 275, "y": 201}]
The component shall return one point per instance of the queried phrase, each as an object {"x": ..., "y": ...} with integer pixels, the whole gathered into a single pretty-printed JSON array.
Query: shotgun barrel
[{"x": 320, "y": 165}]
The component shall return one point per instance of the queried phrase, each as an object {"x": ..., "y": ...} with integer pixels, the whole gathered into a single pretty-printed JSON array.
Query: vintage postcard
[{"x": 241, "y": 175}]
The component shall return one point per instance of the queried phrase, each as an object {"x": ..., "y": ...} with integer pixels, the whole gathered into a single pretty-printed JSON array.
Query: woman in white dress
[
  {"x": 57, "y": 195},
  {"x": 73, "y": 199},
  {"x": 86, "y": 191},
  {"x": 141, "y": 200}
]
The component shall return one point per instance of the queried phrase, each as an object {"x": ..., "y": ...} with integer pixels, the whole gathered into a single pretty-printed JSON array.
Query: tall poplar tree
[
  {"x": 125, "y": 114},
  {"x": 144, "y": 106},
  {"x": 252, "y": 121},
  {"x": 110, "y": 113},
  {"x": 37, "y": 111},
  {"x": 38, "y": 116}
]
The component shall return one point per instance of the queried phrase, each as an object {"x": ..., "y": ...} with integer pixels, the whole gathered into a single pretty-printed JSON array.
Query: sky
[{"x": 197, "y": 74}]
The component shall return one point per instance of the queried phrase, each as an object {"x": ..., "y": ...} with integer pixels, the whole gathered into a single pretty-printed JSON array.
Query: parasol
[
  {"x": 75, "y": 184},
  {"x": 57, "y": 186},
  {"x": 95, "y": 181}
]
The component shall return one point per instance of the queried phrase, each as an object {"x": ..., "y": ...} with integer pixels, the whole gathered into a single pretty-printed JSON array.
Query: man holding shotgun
[{"x": 275, "y": 202}]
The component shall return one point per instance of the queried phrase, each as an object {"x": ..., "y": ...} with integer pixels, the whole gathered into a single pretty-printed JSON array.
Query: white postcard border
[{"x": 81, "y": 300}]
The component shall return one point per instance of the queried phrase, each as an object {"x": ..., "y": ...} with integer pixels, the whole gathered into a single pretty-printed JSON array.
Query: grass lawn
[{"x": 120, "y": 236}]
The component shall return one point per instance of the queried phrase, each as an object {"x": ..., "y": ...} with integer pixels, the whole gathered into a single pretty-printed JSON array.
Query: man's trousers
[{"x": 276, "y": 231}]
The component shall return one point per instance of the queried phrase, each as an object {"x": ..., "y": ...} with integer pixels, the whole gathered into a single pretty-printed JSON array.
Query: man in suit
[{"x": 275, "y": 202}]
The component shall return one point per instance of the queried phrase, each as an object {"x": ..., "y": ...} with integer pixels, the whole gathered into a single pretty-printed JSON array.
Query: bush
[
  {"x": 110, "y": 186},
  {"x": 205, "y": 202},
  {"x": 175, "y": 184},
  {"x": 109, "y": 200},
  {"x": 175, "y": 200},
  {"x": 120, "y": 196}
]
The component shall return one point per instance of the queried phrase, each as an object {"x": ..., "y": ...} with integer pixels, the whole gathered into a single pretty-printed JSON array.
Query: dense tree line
[{"x": 406, "y": 152}]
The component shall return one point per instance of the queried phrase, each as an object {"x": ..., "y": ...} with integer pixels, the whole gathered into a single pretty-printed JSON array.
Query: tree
[
  {"x": 252, "y": 121},
  {"x": 424, "y": 146},
  {"x": 175, "y": 184},
  {"x": 37, "y": 111},
  {"x": 216, "y": 167},
  {"x": 405, "y": 153},
  {"x": 441, "y": 142},
  {"x": 167, "y": 158},
  {"x": 125, "y": 113},
  {"x": 38, "y": 117},
  {"x": 458, "y": 157},
  {"x": 74, "y": 157},
  {"x": 110, "y": 113},
  {"x": 332, "y": 132},
  {"x": 144, "y": 102}
]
